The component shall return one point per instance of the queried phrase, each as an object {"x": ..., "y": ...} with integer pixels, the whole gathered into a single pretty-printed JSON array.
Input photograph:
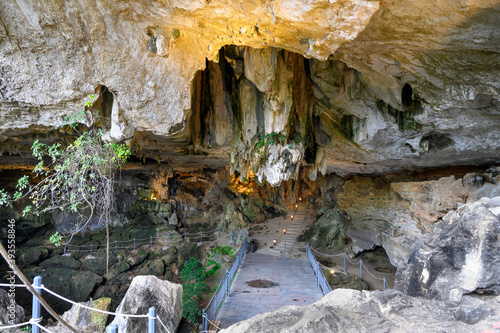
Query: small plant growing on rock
[
  {"x": 193, "y": 273},
  {"x": 55, "y": 239},
  {"x": 78, "y": 178}
]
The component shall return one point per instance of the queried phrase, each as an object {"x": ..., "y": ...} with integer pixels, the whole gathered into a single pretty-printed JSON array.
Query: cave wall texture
[{"x": 353, "y": 86}]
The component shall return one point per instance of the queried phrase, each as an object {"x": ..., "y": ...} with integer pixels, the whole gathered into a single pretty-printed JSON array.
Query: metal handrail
[
  {"x": 321, "y": 280},
  {"x": 212, "y": 309}
]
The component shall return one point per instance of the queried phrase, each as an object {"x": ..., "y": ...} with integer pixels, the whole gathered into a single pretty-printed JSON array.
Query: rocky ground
[{"x": 346, "y": 310}]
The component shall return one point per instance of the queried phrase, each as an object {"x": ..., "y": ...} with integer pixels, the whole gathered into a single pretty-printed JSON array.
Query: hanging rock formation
[{"x": 359, "y": 86}]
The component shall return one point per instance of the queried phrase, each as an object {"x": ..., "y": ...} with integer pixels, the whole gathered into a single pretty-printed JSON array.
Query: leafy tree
[
  {"x": 193, "y": 273},
  {"x": 78, "y": 178}
]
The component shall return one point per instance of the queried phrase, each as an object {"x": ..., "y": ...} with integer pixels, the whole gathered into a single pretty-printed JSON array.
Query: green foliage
[
  {"x": 268, "y": 139},
  {"x": 219, "y": 250},
  {"x": 55, "y": 239},
  {"x": 193, "y": 273},
  {"x": 122, "y": 153},
  {"x": 77, "y": 178},
  {"x": 26, "y": 328},
  {"x": 176, "y": 33}
]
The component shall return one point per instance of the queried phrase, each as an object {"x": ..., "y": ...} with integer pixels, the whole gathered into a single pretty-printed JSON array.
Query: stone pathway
[
  {"x": 293, "y": 229},
  {"x": 264, "y": 283}
]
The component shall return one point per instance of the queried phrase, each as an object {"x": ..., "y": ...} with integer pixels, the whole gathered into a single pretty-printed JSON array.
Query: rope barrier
[
  {"x": 14, "y": 285},
  {"x": 381, "y": 279},
  {"x": 211, "y": 322},
  {"x": 16, "y": 325},
  {"x": 90, "y": 308},
  {"x": 327, "y": 255},
  {"x": 353, "y": 263},
  {"x": 162, "y": 324},
  {"x": 35, "y": 322}
]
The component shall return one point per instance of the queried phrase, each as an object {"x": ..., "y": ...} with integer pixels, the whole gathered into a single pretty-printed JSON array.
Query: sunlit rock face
[
  {"x": 147, "y": 52},
  {"x": 395, "y": 214},
  {"x": 352, "y": 86}
]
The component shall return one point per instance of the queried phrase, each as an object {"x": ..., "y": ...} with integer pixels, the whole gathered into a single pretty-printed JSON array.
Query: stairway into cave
[
  {"x": 265, "y": 283},
  {"x": 266, "y": 280}
]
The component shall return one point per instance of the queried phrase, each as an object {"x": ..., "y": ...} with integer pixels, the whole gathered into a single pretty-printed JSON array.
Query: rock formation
[
  {"x": 10, "y": 313},
  {"x": 84, "y": 320},
  {"x": 353, "y": 86},
  {"x": 346, "y": 310},
  {"x": 395, "y": 214},
  {"x": 459, "y": 259},
  {"x": 145, "y": 292}
]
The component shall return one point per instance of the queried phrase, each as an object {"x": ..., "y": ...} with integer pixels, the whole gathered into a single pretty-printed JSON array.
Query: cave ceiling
[{"x": 353, "y": 86}]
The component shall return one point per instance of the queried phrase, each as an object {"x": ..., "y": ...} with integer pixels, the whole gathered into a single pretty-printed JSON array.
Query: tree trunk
[
  {"x": 23, "y": 278},
  {"x": 107, "y": 243}
]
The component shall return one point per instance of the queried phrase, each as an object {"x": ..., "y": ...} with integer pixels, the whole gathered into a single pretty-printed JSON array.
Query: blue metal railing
[
  {"x": 212, "y": 309},
  {"x": 318, "y": 272}
]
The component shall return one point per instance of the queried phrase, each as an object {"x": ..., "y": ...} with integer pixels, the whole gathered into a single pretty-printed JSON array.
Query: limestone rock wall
[
  {"x": 370, "y": 86},
  {"x": 395, "y": 214}
]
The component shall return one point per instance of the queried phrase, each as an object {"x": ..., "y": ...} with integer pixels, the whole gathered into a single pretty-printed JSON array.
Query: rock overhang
[{"x": 383, "y": 46}]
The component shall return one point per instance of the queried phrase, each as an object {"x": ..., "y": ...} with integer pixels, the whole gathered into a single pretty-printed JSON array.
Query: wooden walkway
[{"x": 292, "y": 283}]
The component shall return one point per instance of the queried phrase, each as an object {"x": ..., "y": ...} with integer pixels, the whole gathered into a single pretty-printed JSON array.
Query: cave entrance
[{"x": 376, "y": 266}]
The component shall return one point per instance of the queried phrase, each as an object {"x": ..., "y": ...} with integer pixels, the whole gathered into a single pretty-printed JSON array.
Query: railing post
[
  {"x": 204, "y": 325},
  {"x": 184, "y": 237},
  {"x": 317, "y": 275},
  {"x": 232, "y": 235},
  {"x": 201, "y": 236},
  {"x": 284, "y": 248},
  {"x": 167, "y": 240},
  {"x": 384, "y": 283},
  {"x": 151, "y": 241},
  {"x": 152, "y": 320},
  {"x": 345, "y": 270},
  {"x": 134, "y": 244},
  {"x": 361, "y": 268},
  {"x": 228, "y": 282},
  {"x": 112, "y": 329},
  {"x": 65, "y": 248},
  {"x": 35, "y": 314},
  {"x": 91, "y": 249},
  {"x": 219, "y": 231},
  {"x": 116, "y": 247}
]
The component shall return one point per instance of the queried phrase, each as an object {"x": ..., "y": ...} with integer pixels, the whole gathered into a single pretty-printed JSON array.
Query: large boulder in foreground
[
  {"x": 84, "y": 320},
  {"x": 461, "y": 258},
  {"x": 352, "y": 311},
  {"x": 145, "y": 292},
  {"x": 10, "y": 312}
]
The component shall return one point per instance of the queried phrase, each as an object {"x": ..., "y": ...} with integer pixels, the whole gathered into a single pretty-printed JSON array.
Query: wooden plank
[{"x": 295, "y": 285}]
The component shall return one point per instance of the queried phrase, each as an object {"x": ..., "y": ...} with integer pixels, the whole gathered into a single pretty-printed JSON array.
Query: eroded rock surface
[
  {"x": 145, "y": 292},
  {"x": 10, "y": 313},
  {"x": 460, "y": 258},
  {"x": 395, "y": 214},
  {"x": 346, "y": 310},
  {"x": 383, "y": 85}
]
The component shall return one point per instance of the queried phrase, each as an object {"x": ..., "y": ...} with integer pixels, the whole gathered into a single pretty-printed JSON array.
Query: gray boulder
[
  {"x": 145, "y": 292},
  {"x": 472, "y": 310},
  {"x": 10, "y": 313},
  {"x": 84, "y": 320},
  {"x": 460, "y": 259}
]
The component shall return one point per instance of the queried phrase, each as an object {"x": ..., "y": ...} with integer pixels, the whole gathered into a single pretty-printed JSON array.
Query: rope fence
[
  {"x": 164, "y": 241},
  {"x": 359, "y": 263},
  {"x": 37, "y": 318}
]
